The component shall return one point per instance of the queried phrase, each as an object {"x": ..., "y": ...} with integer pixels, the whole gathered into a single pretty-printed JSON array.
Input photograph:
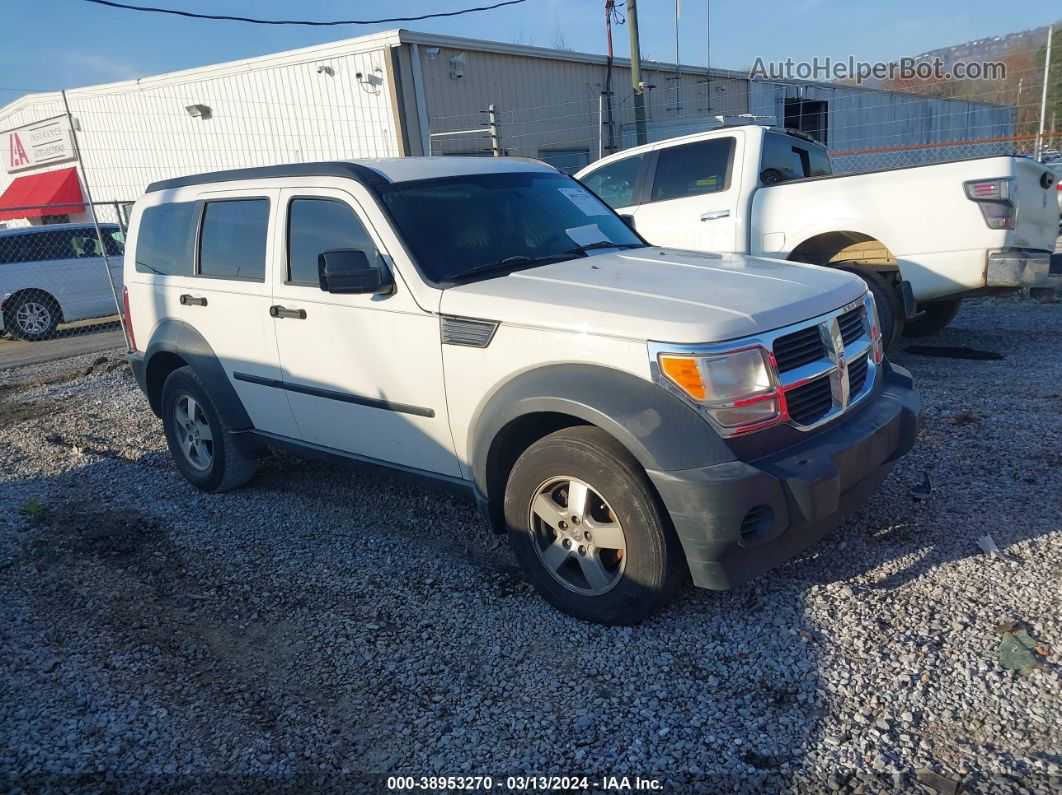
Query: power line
[{"x": 311, "y": 23}]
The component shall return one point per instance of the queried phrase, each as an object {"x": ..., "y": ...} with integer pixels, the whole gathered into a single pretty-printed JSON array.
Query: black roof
[{"x": 335, "y": 168}]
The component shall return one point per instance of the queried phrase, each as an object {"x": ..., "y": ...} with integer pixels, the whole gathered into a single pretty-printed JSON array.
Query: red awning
[{"x": 36, "y": 190}]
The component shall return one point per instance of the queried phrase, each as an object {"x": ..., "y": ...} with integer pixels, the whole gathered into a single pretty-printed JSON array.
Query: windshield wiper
[
  {"x": 519, "y": 261},
  {"x": 607, "y": 244}
]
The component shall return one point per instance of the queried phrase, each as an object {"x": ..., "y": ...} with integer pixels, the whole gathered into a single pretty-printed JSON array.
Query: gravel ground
[{"x": 322, "y": 623}]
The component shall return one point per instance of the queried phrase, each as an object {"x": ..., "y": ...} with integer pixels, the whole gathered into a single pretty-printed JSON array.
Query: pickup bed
[{"x": 923, "y": 237}]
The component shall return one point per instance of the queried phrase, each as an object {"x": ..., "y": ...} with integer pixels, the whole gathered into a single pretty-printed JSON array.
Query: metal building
[{"x": 401, "y": 92}]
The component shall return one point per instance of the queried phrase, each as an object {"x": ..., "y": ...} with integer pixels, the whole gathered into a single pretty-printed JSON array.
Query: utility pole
[
  {"x": 636, "y": 73},
  {"x": 1043, "y": 96}
]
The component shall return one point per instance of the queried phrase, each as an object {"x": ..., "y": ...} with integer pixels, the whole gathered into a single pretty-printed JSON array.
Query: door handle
[
  {"x": 191, "y": 300},
  {"x": 713, "y": 215},
  {"x": 295, "y": 314}
]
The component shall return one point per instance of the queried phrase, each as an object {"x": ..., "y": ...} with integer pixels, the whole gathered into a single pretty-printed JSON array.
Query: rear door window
[
  {"x": 232, "y": 239},
  {"x": 693, "y": 169},
  {"x": 616, "y": 182},
  {"x": 163, "y": 242}
]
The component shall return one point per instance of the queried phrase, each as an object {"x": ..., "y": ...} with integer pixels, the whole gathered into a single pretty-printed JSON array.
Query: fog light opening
[{"x": 757, "y": 526}]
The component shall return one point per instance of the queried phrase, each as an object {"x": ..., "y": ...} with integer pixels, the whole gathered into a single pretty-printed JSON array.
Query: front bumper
[
  {"x": 741, "y": 518},
  {"x": 1022, "y": 269}
]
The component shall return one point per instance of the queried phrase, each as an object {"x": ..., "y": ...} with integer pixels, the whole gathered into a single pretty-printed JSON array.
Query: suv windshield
[{"x": 487, "y": 224}]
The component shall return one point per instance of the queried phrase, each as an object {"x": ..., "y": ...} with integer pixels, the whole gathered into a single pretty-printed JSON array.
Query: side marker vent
[{"x": 468, "y": 332}]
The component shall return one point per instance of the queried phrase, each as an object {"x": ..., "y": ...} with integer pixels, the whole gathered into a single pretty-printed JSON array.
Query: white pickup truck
[{"x": 923, "y": 238}]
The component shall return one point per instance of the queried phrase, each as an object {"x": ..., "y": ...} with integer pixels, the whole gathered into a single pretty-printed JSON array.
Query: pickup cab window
[
  {"x": 615, "y": 183},
  {"x": 787, "y": 157},
  {"x": 693, "y": 169}
]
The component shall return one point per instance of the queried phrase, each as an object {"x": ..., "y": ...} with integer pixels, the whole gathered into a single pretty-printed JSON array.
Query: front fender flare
[{"x": 658, "y": 429}]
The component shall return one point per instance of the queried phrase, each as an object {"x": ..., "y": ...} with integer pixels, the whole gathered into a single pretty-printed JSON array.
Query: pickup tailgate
[{"x": 1036, "y": 225}]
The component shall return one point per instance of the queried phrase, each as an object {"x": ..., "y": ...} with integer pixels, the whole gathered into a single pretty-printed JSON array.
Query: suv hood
[{"x": 658, "y": 294}]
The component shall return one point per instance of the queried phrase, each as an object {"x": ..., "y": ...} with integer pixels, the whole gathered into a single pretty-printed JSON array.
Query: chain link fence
[{"x": 59, "y": 275}]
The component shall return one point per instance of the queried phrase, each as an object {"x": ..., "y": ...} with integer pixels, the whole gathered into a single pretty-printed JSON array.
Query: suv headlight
[{"x": 735, "y": 388}]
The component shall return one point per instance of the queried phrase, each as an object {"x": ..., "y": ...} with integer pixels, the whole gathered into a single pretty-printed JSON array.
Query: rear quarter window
[{"x": 163, "y": 243}]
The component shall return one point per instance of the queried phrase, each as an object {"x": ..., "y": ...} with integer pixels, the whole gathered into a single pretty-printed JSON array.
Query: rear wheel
[
  {"x": 588, "y": 531},
  {"x": 931, "y": 318},
  {"x": 888, "y": 302},
  {"x": 32, "y": 315},
  {"x": 200, "y": 442}
]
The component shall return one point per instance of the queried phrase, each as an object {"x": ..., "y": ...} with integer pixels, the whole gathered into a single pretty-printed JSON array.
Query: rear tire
[
  {"x": 32, "y": 315},
  {"x": 931, "y": 318},
  {"x": 888, "y": 302},
  {"x": 202, "y": 446},
  {"x": 611, "y": 559}
]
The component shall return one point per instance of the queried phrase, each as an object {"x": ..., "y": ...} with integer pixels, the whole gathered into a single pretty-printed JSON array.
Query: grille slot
[
  {"x": 851, "y": 324},
  {"x": 466, "y": 331},
  {"x": 799, "y": 348},
  {"x": 857, "y": 375},
  {"x": 810, "y": 402}
]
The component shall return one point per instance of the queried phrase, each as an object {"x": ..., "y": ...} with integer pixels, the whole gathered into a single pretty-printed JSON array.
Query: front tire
[
  {"x": 931, "y": 318},
  {"x": 202, "y": 445},
  {"x": 588, "y": 531},
  {"x": 32, "y": 315}
]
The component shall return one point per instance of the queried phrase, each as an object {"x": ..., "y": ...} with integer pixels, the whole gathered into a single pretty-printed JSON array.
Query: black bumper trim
[{"x": 808, "y": 488}]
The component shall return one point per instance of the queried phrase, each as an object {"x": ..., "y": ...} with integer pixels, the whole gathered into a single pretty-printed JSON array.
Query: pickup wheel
[
  {"x": 888, "y": 302},
  {"x": 588, "y": 531},
  {"x": 200, "y": 442},
  {"x": 931, "y": 318}
]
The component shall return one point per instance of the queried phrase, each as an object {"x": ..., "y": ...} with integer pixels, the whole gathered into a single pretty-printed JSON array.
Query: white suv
[{"x": 626, "y": 414}]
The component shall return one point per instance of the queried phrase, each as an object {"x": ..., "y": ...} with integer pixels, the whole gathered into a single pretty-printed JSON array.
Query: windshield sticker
[
  {"x": 587, "y": 235},
  {"x": 584, "y": 201},
  {"x": 707, "y": 182}
]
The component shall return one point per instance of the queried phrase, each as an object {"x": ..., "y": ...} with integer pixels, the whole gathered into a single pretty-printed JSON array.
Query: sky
[{"x": 53, "y": 44}]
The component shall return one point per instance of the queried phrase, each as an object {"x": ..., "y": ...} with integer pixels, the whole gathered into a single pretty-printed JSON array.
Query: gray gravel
[{"x": 326, "y": 623}]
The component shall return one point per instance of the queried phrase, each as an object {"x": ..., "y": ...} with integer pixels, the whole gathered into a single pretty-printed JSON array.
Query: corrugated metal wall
[
  {"x": 551, "y": 105},
  {"x": 861, "y": 119}
]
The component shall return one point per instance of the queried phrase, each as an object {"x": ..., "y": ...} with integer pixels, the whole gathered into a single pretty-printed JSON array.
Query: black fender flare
[
  {"x": 182, "y": 340},
  {"x": 659, "y": 429}
]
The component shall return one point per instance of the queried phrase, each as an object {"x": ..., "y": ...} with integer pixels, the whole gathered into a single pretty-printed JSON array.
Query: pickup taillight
[{"x": 997, "y": 199}]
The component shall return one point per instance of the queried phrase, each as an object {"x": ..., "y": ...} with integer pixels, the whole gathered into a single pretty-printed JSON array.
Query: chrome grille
[
  {"x": 852, "y": 326},
  {"x": 810, "y": 402},
  {"x": 797, "y": 349}
]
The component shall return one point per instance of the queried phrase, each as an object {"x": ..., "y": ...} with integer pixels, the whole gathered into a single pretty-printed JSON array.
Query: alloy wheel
[
  {"x": 577, "y": 536},
  {"x": 33, "y": 317},
  {"x": 194, "y": 436}
]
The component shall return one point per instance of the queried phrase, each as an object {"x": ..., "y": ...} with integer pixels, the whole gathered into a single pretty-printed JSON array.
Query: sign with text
[{"x": 40, "y": 144}]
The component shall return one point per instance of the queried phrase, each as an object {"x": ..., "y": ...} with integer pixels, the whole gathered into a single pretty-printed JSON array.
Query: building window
[
  {"x": 809, "y": 116},
  {"x": 567, "y": 160},
  {"x": 55, "y": 219}
]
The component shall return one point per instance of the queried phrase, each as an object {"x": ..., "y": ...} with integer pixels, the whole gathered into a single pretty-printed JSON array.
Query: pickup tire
[
  {"x": 612, "y": 556},
  {"x": 200, "y": 442},
  {"x": 931, "y": 318},
  {"x": 888, "y": 302}
]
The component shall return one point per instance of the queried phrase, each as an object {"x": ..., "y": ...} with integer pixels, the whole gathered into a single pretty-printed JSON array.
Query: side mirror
[
  {"x": 348, "y": 270},
  {"x": 628, "y": 219}
]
